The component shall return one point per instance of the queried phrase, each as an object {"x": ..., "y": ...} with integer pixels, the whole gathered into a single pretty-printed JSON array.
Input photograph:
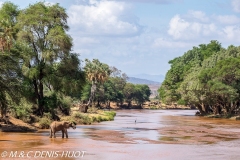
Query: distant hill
[
  {"x": 135, "y": 80},
  {"x": 156, "y": 78}
]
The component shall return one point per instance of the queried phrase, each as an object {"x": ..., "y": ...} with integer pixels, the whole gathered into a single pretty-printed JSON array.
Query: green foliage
[
  {"x": 9, "y": 69},
  {"x": 139, "y": 93},
  {"x": 142, "y": 93},
  {"x": 44, "y": 123},
  {"x": 181, "y": 102},
  {"x": 53, "y": 101},
  {"x": 86, "y": 92},
  {"x": 66, "y": 76},
  {"x": 82, "y": 118},
  {"x": 36, "y": 64},
  {"x": 212, "y": 84},
  {"x": 110, "y": 115},
  {"x": 22, "y": 111},
  {"x": 38, "y": 25},
  {"x": 96, "y": 73}
]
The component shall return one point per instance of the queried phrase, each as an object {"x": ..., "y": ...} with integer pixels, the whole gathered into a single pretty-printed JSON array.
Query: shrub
[
  {"x": 181, "y": 102},
  {"x": 87, "y": 120},
  {"x": 22, "y": 111},
  {"x": 82, "y": 118},
  {"x": 99, "y": 118},
  {"x": 44, "y": 123},
  {"x": 109, "y": 115},
  {"x": 54, "y": 100}
]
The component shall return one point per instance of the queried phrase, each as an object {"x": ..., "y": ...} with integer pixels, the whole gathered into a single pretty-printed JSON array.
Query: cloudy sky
[{"x": 141, "y": 36}]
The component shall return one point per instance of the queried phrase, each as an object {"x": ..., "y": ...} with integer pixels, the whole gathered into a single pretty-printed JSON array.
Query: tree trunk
[
  {"x": 109, "y": 105},
  {"x": 39, "y": 99},
  {"x": 201, "y": 109},
  {"x": 3, "y": 110},
  {"x": 41, "y": 102},
  {"x": 93, "y": 89},
  {"x": 129, "y": 104}
]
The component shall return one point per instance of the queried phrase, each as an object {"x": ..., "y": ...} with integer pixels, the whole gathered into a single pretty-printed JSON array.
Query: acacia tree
[{"x": 44, "y": 41}]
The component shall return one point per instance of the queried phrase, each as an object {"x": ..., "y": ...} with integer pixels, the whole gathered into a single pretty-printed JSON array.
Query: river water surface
[{"x": 134, "y": 134}]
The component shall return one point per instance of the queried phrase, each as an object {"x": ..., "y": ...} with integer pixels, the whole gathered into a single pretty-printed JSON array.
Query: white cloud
[
  {"x": 236, "y": 5},
  {"x": 180, "y": 28},
  {"x": 154, "y": 1},
  {"x": 1, "y": 3},
  {"x": 177, "y": 27},
  {"x": 87, "y": 40},
  {"x": 228, "y": 19},
  {"x": 49, "y": 3},
  {"x": 105, "y": 18},
  {"x": 162, "y": 43},
  {"x": 199, "y": 15},
  {"x": 232, "y": 32}
]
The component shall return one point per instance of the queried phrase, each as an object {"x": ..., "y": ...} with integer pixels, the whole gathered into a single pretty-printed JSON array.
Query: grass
[{"x": 89, "y": 118}]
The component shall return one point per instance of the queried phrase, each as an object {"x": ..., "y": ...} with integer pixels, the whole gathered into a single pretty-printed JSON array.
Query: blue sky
[{"x": 141, "y": 36}]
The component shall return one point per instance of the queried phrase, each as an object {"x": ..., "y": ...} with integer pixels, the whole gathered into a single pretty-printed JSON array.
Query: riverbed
[{"x": 134, "y": 134}]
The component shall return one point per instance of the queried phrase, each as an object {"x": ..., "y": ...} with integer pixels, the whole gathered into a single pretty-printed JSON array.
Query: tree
[
  {"x": 44, "y": 41},
  {"x": 114, "y": 86},
  {"x": 182, "y": 66},
  {"x": 142, "y": 93},
  {"x": 212, "y": 84},
  {"x": 129, "y": 93},
  {"x": 8, "y": 14},
  {"x": 96, "y": 73},
  {"x": 10, "y": 78},
  {"x": 66, "y": 76}
]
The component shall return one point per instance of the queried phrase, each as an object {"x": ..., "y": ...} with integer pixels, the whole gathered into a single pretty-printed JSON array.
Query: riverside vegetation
[
  {"x": 207, "y": 77},
  {"x": 41, "y": 80}
]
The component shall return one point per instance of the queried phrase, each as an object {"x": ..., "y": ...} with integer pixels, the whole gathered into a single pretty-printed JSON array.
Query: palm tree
[
  {"x": 96, "y": 73},
  {"x": 6, "y": 35}
]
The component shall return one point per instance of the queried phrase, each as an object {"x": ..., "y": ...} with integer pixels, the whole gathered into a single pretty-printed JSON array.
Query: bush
[
  {"x": 54, "y": 100},
  {"x": 99, "y": 119},
  {"x": 78, "y": 115},
  {"x": 181, "y": 102},
  {"x": 65, "y": 103},
  {"x": 94, "y": 119},
  {"x": 22, "y": 111},
  {"x": 82, "y": 118},
  {"x": 109, "y": 115},
  {"x": 87, "y": 120},
  {"x": 44, "y": 123}
]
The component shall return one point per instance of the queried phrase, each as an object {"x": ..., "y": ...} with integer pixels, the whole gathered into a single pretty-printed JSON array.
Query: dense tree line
[
  {"x": 38, "y": 71},
  {"x": 108, "y": 84},
  {"x": 208, "y": 77}
]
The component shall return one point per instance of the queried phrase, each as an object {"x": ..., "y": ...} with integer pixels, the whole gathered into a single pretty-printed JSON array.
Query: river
[{"x": 134, "y": 134}]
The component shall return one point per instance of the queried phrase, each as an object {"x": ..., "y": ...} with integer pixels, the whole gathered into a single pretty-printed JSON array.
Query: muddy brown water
[{"x": 134, "y": 134}]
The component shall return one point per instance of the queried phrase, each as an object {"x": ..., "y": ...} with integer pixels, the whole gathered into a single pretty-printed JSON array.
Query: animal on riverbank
[{"x": 61, "y": 126}]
